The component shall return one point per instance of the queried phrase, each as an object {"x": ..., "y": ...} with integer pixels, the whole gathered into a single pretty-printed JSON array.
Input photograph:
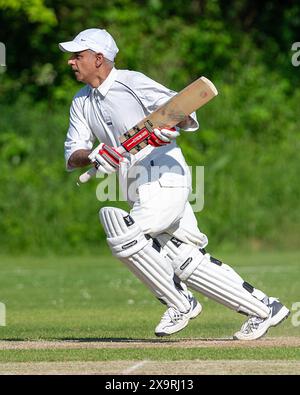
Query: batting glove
[
  {"x": 106, "y": 159},
  {"x": 163, "y": 136}
]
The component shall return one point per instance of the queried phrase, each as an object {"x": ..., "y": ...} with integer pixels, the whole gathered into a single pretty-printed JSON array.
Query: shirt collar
[{"x": 107, "y": 83}]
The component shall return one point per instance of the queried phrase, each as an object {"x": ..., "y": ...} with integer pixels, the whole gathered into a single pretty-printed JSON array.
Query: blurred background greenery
[{"x": 249, "y": 139}]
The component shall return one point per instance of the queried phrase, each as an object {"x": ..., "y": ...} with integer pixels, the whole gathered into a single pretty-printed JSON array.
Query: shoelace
[
  {"x": 252, "y": 324},
  {"x": 171, "y": 314}
]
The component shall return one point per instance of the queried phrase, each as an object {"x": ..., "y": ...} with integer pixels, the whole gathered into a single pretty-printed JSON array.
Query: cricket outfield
[{"x": 90, "y": 315}]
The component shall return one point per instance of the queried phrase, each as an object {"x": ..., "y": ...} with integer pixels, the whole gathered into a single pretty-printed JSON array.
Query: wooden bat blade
[
  {"x": 190, "y": 99},
  {"x": 175, "y": 110}
]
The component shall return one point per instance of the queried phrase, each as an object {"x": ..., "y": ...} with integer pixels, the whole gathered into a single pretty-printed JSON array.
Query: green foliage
[
  {"x": 248, "y": 145},
  {"x": 249, "y": 139},
  {"x": 34, "y": 10}
]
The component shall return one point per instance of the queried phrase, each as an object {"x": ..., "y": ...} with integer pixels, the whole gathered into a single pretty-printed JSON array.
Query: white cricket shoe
[
  {"x": 174, "y": 321},
  {"x": 256, "y": 327},
  {"x": 196, "y": 307}
]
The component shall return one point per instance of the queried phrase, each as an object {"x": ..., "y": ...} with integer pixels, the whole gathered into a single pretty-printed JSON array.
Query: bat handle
[{"x": 85, "y": 177}]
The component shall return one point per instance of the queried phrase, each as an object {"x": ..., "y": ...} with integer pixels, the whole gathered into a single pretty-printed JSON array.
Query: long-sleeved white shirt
[
  {"x": 120, "y": 102},
  {"x": 106, "y": 112}
]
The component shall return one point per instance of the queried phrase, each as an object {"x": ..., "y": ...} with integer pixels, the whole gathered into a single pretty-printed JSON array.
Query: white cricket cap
[{"x": 98, "y": 40}]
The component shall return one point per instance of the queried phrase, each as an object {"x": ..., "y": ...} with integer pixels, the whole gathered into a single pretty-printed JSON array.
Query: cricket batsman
[{"x": 158, "y": 239}]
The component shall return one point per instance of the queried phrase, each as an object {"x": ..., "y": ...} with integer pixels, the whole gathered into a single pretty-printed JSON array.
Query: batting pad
[
  {"x": 129, "y": 244},
  {"x": 184, "y": 258},
  {"x": 211, "y": 277}
]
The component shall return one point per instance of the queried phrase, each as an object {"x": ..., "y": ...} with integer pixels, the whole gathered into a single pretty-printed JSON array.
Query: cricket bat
[{"x": 168, "y": 115}]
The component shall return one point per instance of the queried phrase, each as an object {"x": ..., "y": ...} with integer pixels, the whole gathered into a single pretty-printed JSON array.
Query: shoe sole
[
  {"x": 282, "y": 315},
  {"x": 161, "y": 334}
]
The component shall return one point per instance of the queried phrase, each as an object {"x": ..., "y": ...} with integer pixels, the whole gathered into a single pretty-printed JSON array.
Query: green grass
[
  {"x": 156, "y": 354},
  {"x": 97, "y": 298}
]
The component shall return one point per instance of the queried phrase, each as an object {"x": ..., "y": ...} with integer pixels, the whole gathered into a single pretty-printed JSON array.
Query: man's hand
[
  {"x": 163, "y": 136},
  {"x": 79, "y": 158},
  {"x": 105, "y": 158}
]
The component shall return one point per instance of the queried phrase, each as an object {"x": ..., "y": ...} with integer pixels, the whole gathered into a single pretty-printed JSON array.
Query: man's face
[{"x": 84, "y": 65}]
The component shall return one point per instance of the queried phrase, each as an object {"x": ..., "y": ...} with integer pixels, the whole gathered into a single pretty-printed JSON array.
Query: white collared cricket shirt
[
  {"x": 120, "y": 102},
  {"x": 106, "y": 112}
]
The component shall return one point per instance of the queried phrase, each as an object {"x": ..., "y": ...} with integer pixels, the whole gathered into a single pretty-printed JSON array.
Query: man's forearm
[{"x": 79, "y": 158}]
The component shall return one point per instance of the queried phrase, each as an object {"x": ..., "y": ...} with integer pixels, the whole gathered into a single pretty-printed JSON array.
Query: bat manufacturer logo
[
  {"x": 136, "y": 139},
  {"x": 149, "y": 125}
]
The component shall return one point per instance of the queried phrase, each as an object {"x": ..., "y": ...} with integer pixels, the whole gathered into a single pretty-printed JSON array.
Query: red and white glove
[
  {"x": 106, "y": 159},
  {"x": 163, "y": 136}
]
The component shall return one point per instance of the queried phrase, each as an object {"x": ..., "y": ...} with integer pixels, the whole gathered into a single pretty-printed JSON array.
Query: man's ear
[{"x": 99, "y": 59}]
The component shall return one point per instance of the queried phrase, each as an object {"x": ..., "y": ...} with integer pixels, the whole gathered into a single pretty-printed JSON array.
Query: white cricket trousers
[{"x": 161, "y": 209}]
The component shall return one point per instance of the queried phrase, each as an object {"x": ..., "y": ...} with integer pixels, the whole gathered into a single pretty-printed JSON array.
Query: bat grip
[{"x": 85, "y": 177}]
